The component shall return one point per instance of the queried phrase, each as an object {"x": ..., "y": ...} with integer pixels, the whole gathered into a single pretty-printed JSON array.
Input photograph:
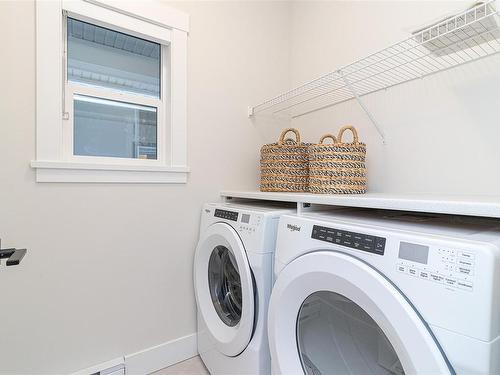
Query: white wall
[
  {"x": 108, "y": 270},
  {"x": 442, "y": 132}
]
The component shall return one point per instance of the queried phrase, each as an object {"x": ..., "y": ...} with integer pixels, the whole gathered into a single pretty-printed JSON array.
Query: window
[
  {"x": 111, "y": 95},
  {"x": 113, "y": 81}
]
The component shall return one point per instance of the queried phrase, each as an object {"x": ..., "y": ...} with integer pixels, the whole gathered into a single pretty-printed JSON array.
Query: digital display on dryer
[
  {"x": 413, "y": 252},
  {"x": 353, "y": 240}
]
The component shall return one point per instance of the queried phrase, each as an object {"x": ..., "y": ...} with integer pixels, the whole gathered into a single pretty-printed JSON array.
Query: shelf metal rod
[
  {"x": 363, "y": 106},
  {"x": 387, "y": 71},
  {"x": 468, "y": 36}
]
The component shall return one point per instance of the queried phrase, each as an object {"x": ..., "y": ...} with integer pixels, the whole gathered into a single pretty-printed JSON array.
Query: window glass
[
  {"x": 102, "y": 57},
  {"x": 114, "y": 129},
  {"x": 336, "y": 336}
]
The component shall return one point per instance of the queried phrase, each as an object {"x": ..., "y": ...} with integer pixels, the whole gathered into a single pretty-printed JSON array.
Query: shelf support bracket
[
  {"x": 363, "y": 106},
  {"x": 301, "y": 207}
]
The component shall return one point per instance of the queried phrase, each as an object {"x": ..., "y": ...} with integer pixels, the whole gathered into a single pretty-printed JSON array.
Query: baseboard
[{"x": 161, "y": 356}]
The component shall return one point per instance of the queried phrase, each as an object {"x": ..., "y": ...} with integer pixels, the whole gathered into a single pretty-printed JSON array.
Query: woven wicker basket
[
  {"x": 338, "y": 168},
  {"x": 284, "y": 165}
]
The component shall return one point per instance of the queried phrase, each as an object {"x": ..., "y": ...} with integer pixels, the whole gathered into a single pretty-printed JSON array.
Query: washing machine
[
  {"x": 377, "y": 292},
  {"x": 233, "y": 273}
]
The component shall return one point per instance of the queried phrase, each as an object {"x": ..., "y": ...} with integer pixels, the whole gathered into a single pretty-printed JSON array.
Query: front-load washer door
[
  {"x": 224, "y": 288},
  {"x": 331, "y": 313}
]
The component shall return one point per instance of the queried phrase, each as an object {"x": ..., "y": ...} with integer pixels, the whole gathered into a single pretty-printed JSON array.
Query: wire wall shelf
[{"x": 457, "y": 40}]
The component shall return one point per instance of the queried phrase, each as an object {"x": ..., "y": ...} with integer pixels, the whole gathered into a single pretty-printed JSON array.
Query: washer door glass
[
  {"x": 225, "y": 285},
  {"x": 336, "y": 336}
]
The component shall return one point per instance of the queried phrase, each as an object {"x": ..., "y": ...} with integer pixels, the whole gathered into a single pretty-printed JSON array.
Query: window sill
[{"x": 61, "y": 171}]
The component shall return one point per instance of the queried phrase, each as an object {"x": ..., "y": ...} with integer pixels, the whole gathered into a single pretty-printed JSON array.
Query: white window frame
[{"x": 151, "y": 20}]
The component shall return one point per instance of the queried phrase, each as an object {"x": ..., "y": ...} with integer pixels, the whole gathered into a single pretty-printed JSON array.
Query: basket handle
[
  {"x": 284, "y": 132},
  {"x": 332, "y": 137},
  {"x": 353, "y": 131}
]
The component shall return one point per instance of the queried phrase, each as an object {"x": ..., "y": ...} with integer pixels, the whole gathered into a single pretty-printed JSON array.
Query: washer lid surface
[
  {"x": 224, "y": 288},
  {"x": 334, "y": 286}
]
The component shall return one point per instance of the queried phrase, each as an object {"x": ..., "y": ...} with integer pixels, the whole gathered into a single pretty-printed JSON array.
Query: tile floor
[{"x": 193, "y": 366}]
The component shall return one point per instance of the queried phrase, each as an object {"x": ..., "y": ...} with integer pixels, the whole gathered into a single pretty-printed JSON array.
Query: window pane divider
[{"x": 114, "y": 95}]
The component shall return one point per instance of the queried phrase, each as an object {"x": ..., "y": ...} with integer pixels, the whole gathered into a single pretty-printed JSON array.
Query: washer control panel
[
  {"x": 225, "y": 214},
  {"x": 452, "y": 268},
  {"x": 353, "y": 240},
  {"x": 249, "y": 223},
  {"x": 245, "y": 222}
]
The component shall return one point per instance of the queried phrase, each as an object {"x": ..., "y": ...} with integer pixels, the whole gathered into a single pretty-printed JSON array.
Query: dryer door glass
[
  {"x": 225, "y": 285},
  {"x": 336, "y": 336}
]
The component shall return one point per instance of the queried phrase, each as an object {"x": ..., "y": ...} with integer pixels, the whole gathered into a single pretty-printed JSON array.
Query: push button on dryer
[
  {"x": 465, "y": 262},
  {"x": 464, "y": 285},
  {"x": 437, "y": 278},
  {"x": 465, "y": 270},
  {"x": 412, "y": 272},
  {"x": 424, "y": 275},
  {"x": 450, "y": 281},
  {"x": 466, "y": 255},
  {"x": 380, "y": 245}
]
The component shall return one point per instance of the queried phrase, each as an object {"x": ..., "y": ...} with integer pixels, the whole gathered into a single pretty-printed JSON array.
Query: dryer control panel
[
  {"x": 353, "y": 240},
  {"x": 451, "y": 268}
]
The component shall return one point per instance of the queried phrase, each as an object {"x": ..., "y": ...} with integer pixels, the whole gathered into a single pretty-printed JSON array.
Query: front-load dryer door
[
  {"x": 331, "y": 313},
  {"x": 224, "y": 288}
]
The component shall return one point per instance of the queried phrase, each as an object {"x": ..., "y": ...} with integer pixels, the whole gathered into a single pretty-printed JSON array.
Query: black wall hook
[{"x": 13, "y": 256}]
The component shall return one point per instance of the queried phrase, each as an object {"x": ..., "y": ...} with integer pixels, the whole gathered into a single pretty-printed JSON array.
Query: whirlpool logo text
[{"x": 293, "y": 228}]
